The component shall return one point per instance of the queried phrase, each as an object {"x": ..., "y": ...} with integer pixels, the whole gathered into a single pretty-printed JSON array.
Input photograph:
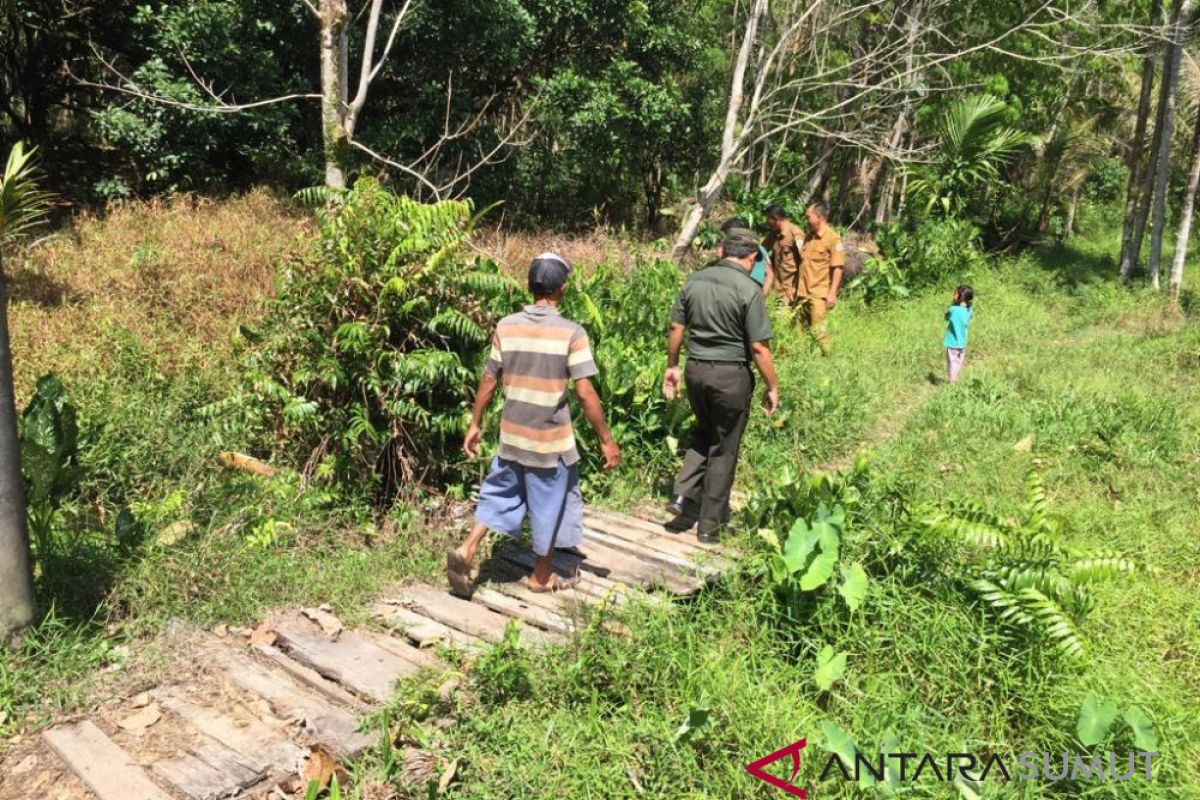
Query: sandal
[
  {"x": 556, "y": 583},
  {"x": 458, "y": 572}
]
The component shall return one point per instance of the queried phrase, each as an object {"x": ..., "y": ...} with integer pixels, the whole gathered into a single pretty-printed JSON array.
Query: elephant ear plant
[{"x": 49, "y": 457}]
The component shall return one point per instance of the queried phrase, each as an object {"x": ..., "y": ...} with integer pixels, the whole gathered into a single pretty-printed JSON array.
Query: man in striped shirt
[{"x": 535, "y": 353}]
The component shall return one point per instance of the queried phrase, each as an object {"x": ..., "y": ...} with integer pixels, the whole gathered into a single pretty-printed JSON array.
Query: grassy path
[{"x": 1104, "y": 383}]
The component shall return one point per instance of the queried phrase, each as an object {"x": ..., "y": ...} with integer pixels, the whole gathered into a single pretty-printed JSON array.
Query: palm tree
[
  {"x": 973, "y": 143},
  {"x": 22, "y": 207}
]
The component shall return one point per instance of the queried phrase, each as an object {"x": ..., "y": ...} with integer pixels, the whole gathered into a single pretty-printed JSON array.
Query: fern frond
[
  {"x": 452, "y": 322},
  {"x": 1036, "y": 505},
  {"x": 1094, "y": 570},
  {"x": 1054, "y": 620},
  {"x": 318, "y": 196},
  {"x": 1007, "y": 604}
]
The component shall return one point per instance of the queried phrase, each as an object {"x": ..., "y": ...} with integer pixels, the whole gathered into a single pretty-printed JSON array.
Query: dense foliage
[{"x": 365, "y": 363}]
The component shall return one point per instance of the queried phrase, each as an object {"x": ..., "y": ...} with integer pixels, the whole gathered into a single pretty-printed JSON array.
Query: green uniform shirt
[{"x": 723, "y": 310}]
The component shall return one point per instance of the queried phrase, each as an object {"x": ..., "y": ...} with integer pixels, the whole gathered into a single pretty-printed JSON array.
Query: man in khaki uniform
[
  {"x": 822, "y": 258},
  {"x": 783, "y": 243}
]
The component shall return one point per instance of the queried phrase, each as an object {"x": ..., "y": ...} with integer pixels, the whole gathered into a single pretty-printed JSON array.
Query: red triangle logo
[{"x": 755, "y": 768}]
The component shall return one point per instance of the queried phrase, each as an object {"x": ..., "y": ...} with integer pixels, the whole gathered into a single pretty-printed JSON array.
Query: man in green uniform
[{"x": 722, "y": 310}]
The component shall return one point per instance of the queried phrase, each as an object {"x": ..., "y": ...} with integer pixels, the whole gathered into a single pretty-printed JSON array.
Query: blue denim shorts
[{"x": 549, "y": 497}]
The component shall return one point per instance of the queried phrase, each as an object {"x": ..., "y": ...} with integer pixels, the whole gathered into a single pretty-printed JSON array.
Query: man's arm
[
  {"x": 835, "y": 282},
  {"x": 483, "y": 398},
  {"x": 770, "y": 281},
  {"x": 670, "y": 385},
  {"x": 594, "y": 411},
  {"x": 761, "y": 352},
  {"x": 837, "y": 260}
]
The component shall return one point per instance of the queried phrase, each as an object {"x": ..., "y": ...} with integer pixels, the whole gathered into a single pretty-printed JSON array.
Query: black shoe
[
  {"x": 708, "y": 538},
  {"x": 678, "y": 506},
  {"x": 681, "y": 524}
]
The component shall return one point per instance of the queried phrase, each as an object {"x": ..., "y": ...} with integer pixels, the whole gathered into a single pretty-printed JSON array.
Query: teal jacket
[
  {"x": 759, "y": 271},
  {"x": 957, "y": 320}
]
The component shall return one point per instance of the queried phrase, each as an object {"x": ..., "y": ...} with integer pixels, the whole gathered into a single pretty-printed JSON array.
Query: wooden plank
[
  {"x": 627, "y": 528},
  {"x": 564, "y": 562},
  {"x": 439, "y": 605},
  {"x": 645, "y": 526},
  {"x": 258, "y": 746},
  {"x": 507, "y": 578},
  {"x": 307, "y": 676},
  {"x": 629, "y": 569},
  {"x": 516, "y": 608},
  {"x": 332, "y": 726},
  {"x": 356, "y": 663},
  {"x": 100, "y": 763},
  {"x": 209, "y": 772},
  {"x": 685, "y": 567},
  {"x": 402, "y": 649},
  {"x": 422, "y": 630}
]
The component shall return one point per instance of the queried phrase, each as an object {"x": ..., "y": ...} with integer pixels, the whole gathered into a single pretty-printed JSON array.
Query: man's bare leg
[
  {"x": 543, "y": 571},
  {"x": 468, "y": 548}
]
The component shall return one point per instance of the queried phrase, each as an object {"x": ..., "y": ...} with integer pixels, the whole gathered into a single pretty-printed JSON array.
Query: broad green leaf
[
  {"x": 891, "y": 744},
  {"x": 821, "y": 569},
  {"x": 853, "y": 587},
  {"x": 697, "y": 719},
  {"x": 838, "y": 742},
  {"x": 800, "y": 543},
  {"x": 1095, "y": 718},
  {"x": 1144, "y": 734},
  {"x": 830, "y": 668}
]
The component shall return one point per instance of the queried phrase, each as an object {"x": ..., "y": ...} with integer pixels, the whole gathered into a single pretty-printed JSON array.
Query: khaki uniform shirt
[
  {"x": 784, "y": 245},
  {"x": 820, "y": 253}
]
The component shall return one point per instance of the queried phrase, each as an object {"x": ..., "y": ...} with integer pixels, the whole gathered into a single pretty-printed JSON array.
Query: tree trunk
[
  {"x": 1185, "y": 219},
  {"x": 1137, "y": 147},
  {"x": 16, "y": 564},
  {"x": 1069, "y": 230},
  {"x": 1180, "y": 14},
  {"x": 334, "y": 81},
  {"x": 731, "y": 136},
  {"x": 883, "y": 208}
]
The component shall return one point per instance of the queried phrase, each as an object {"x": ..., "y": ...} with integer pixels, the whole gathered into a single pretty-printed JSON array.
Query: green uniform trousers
[{"x": 720, "y": 395}]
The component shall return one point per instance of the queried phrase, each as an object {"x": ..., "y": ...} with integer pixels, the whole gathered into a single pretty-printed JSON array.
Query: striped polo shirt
[{"x": 535, "y": 352}]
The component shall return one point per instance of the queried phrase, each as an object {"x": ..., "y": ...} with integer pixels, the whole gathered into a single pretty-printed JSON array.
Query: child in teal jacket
[{"x": 958, "y": 318}]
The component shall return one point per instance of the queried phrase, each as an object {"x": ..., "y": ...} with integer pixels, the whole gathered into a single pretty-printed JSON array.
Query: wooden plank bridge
[{"x": 255, "y": 711}]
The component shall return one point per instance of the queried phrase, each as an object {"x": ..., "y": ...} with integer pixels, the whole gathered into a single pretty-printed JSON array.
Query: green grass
[{"x": 1102, "y": 378}]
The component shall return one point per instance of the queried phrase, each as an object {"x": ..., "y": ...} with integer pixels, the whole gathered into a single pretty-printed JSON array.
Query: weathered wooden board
[
  {"x": 629, "y": 569},
  {"x": 351, "y": 660},
  {"x": 332, "y": 726},
  {"x": 670, "y": 562},
  {"x": 598, "y": 586},
  {"x": 400, "y": 648},
  {"x": 439, "y": 605},
  {"x": 101, "y": 763},
  {"x": 422, "y": 630},
  {"x": 258, "y": 746},
  {"x": 307, "y": 675},
  {"x": 648, "y": 527},
  {"x": 516, "y": 608},
  {"x": 208, "y": 772},
  {"x": 684, "y": 547}
]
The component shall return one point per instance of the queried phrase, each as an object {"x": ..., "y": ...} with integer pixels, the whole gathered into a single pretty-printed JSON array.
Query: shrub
[
  {"x": 932, "y": 251},
  {"x": 368, "y": 356},
  {"x": 626, "y": 316}
]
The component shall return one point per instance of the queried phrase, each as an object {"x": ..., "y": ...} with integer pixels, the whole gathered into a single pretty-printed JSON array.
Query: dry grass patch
[{"x": 176, "y": 275}]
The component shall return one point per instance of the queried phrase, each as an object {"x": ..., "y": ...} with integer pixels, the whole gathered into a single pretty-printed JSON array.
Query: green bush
[
  {"x": 626, "y": 315},
  {"x": 933, "y": 251},
  {"x": 367, "y": 359}
]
